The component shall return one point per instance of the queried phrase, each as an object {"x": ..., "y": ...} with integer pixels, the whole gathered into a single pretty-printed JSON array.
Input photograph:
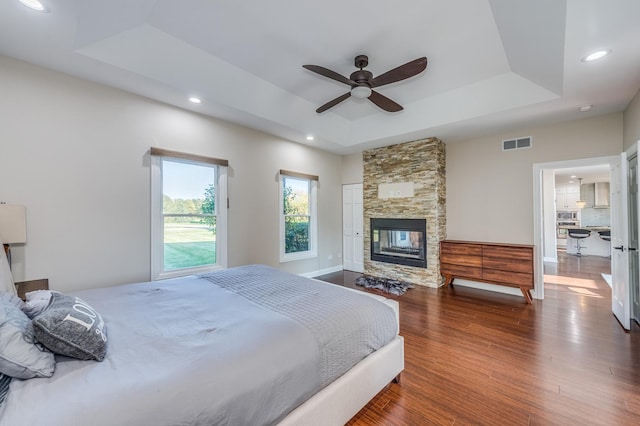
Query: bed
[{"x": 244, "y": 346}]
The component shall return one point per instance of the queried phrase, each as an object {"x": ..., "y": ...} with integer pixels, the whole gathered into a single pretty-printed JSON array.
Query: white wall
[
  {"x": 75, "y": 154},
  {"x": 632, "y": 122}
]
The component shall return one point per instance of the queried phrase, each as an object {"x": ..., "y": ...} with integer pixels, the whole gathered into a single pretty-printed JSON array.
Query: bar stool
[
  {"x": 579, "y": 234},
  {"x": 606, "y": 236}
]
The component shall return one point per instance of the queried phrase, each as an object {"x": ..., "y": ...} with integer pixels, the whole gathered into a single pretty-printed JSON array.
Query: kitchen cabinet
[{"x": 566, "y": 196}]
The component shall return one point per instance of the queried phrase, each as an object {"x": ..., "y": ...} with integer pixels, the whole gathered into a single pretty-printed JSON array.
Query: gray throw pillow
[
  {"x": 70, "y": 327},
  {"x": 20, "y": 356}
]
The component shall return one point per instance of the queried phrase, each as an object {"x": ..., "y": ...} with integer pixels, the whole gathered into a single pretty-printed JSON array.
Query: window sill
[
  {"x": 297, "y": 256},
  {"x": 187, "y": 271}
]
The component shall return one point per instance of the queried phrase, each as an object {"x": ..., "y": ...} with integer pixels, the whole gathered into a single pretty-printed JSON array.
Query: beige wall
[
  {"x": 352, "y": 168},
  {"x": 490, "y": 192},
  {"x": 632, "y": 122},
  {"x": 76, "y": 155}
]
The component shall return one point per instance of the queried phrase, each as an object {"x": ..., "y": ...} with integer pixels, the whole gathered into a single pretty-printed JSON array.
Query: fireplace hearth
[{"x": 399, "y": 241}]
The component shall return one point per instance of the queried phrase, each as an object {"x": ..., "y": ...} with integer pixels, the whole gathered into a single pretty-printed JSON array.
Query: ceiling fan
[{"x": 362, "y": 82}]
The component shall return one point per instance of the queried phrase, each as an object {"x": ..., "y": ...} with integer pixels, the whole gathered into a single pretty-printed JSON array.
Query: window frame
[
  {"x": 313, "y": 217},
  {"x": 157, "y": 218}
]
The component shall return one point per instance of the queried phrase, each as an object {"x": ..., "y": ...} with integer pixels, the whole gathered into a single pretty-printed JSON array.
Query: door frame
[{"x": 538, "y": 225}]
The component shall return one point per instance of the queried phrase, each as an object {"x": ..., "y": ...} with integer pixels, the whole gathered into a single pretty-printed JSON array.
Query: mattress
[{"x": 241, "y": 346}]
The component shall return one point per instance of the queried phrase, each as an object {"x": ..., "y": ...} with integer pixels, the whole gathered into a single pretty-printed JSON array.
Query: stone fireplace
[{"x": 405, "y": 183}]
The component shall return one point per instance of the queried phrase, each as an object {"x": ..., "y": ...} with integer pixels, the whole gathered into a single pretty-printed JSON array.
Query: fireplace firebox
[{"x": 399, "y": 241}]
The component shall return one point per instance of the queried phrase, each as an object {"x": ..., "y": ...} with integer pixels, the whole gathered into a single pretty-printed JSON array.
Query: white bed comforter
[{"x": 189, "y": 352}]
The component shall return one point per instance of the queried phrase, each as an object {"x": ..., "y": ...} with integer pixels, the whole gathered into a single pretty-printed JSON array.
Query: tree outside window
[
  {"x": 298, "y": 221},
  {"x": 296, "y": 214}
]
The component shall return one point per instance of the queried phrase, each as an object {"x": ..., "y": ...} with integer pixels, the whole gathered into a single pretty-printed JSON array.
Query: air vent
[{"x": 518, "y": 143}]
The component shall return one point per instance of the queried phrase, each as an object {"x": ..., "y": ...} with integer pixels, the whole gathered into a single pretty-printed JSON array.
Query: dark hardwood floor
[{"x": 483, "y": 358}]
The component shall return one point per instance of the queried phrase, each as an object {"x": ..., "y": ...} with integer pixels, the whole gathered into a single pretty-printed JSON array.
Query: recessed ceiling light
[
  {"x": 585, "y": 108},
  {"x": 195, "y": 100},
  {"x": 572, "y": 176},
  {"x": 34, "y": 4},
  {"x": 310, "y": 137},
  {"x": 596, "y": 55}
]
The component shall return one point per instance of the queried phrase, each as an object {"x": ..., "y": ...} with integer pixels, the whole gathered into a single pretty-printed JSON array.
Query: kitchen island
[{"x": 593, "y": 245}]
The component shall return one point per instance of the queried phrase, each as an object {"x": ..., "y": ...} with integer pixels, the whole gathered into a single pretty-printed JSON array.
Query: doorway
[
  {"x": 623, "y": 233},
  {"x": 546, "y": 195}
]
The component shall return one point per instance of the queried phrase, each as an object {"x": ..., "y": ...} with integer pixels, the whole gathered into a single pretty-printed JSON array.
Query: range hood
[{"x": 601, "y": 195}]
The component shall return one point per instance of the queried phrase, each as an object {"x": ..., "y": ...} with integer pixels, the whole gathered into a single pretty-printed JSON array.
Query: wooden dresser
[{"x": 494, "y": 263}]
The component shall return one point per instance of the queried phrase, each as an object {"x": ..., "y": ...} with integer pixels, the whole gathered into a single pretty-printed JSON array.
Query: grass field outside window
[{"x": 188, "y": 245}]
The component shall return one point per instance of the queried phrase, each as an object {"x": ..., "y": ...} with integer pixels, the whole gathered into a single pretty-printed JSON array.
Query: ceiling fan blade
[
  {"x": 384, "y": 102},
  {"x": 400, "y": 73},
  {"x": 334, "y": 102},
  {"x": 329, "y": 74}
]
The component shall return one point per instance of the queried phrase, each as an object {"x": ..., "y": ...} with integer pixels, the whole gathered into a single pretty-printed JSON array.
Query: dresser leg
[
  {"x": 448, "y": 279},
  {"x": 526, "y": 294}
]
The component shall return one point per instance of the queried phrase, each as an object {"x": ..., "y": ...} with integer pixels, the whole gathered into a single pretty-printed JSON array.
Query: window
[
  {"x": 298, "y": 217},
  {"x": 188, "y": 224}
]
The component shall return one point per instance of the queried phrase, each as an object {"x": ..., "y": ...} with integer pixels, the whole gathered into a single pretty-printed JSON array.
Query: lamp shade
[{"x": 13, "y": 224}]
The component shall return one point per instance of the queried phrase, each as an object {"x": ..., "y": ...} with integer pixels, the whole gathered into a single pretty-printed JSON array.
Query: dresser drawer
[
  {"x": 510, "y": 279},
  {"x": 461, "y": 271}
]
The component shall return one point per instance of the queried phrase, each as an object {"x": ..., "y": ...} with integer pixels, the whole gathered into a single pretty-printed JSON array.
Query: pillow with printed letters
[{"x": 70, "y": 327}]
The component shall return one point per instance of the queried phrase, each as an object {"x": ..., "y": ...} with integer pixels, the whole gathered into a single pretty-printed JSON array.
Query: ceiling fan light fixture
[{"x": 361, "y": 92}]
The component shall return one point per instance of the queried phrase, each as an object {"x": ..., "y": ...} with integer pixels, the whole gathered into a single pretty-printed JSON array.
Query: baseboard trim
[{"x": 313, "y": 274}]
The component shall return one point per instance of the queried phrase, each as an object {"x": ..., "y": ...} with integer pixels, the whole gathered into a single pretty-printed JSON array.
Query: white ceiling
[
  {"x": 588, "y": 174},
  {"x": 493, "y": 65}
]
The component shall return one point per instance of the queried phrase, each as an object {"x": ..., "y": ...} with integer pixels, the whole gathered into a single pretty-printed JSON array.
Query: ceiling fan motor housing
[{"x": 361, "y": 77}]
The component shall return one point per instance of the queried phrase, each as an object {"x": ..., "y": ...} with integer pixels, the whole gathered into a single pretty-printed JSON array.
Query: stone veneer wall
[{"x": 423, "y": 163}]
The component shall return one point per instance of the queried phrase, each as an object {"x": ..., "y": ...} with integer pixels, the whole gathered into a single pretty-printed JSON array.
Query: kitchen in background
[{"x": 583, "y": 231}]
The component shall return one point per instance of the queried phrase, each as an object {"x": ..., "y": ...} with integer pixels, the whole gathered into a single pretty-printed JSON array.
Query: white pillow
[
  {"x": 20, "y": 356},
  {"x": 6, "y": 279},
  {"x": 36, "y": 302}
]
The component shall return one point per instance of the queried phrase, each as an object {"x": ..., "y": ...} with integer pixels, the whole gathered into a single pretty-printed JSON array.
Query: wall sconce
[{"x": 13, "y": 226}]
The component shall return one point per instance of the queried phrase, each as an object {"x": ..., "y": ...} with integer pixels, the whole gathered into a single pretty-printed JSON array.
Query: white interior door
[
  {"x": 352, "y": 230},
  {"x": 634, "y": 237},
  {"x": 620, "y": 303}
]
